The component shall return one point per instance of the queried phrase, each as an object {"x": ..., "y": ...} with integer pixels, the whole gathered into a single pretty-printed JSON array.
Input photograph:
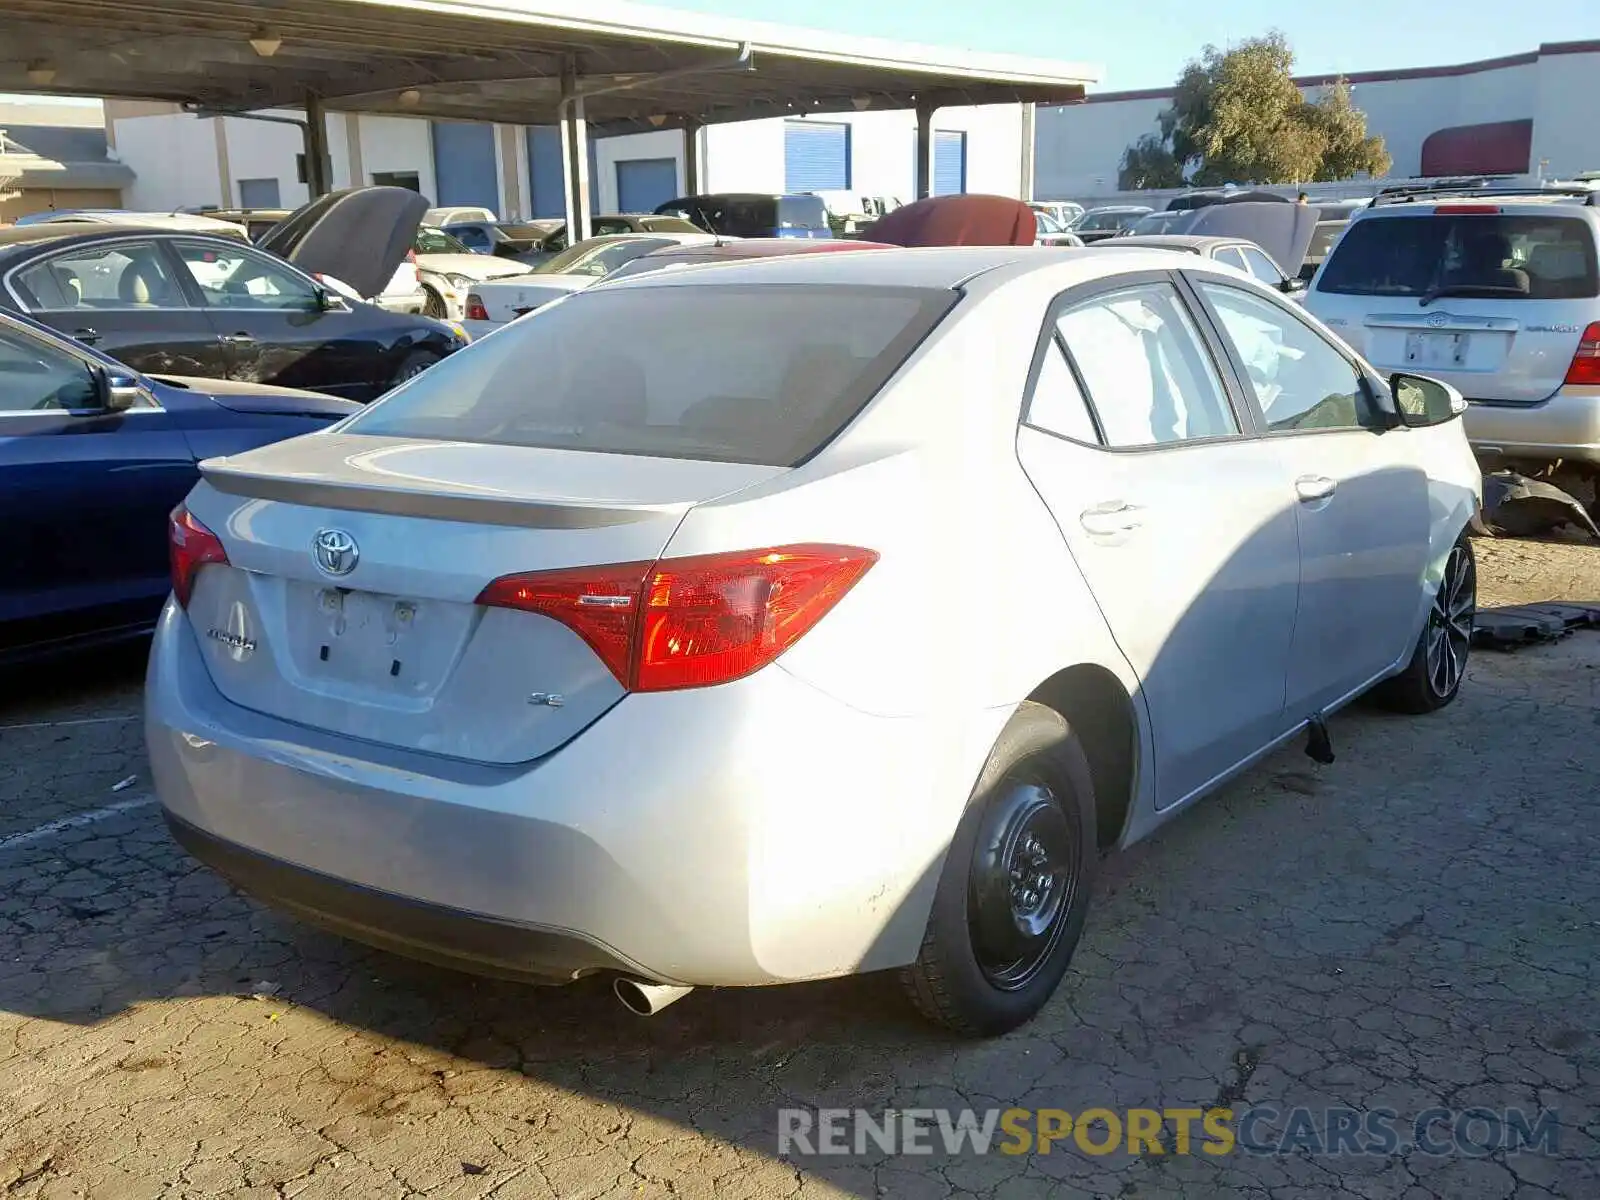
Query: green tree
[
  {"x": 1149, "y": 164},
  {"x": 1237, "y": 117}
]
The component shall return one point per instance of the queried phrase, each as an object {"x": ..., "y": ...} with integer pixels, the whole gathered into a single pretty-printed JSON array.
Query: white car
[
  {"x": 449, "y": 216},
  {"x": 447, "y": 270},
  {"x": 791, "y": 618},
  {"x": 1495, "y": 291},
  {"x": 491, "y": 305}
]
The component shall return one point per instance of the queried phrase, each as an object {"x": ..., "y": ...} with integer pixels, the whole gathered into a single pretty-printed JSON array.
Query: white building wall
[
  {"x": 1079, "y": 148},
  {"x": 174, "y": 160},
  {"x": 398, "y": 144},
  {"x": 746, "y": 157},
  {"x": 265, "y": 150},
  {"x": 1564, "y": 128}
]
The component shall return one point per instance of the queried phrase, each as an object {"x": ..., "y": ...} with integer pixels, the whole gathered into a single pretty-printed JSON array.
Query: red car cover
[{"x": 966, "y": 220}]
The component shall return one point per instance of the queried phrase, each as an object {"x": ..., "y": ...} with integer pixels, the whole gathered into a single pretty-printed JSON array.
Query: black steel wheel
[{"x": 1014, "y": 889}]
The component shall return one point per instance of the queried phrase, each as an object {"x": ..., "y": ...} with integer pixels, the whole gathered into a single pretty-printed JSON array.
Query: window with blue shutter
[
  {"x": 546, "y": 174},
  {"x": 644, "y": 184},
  {"x": 816, "y": 156},
  {"x": 464, "y": 165},
  {"x": 949, "y": 162}
]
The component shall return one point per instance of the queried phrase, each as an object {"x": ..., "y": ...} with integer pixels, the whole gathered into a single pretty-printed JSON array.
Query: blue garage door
[
  {"x": 545, "y": 179},
  {"x": 816, "y": 156},
  {"x": 949, "y": 162},
  {"x": 645, "y": 183},
  {"x": 463, "y": 165}
]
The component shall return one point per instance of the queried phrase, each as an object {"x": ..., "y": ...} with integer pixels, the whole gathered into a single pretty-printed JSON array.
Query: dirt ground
[{"x": 1415, "y": 926}]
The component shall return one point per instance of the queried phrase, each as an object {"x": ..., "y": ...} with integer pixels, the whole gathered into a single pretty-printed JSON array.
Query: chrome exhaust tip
[{"x": 647, "y": 999}]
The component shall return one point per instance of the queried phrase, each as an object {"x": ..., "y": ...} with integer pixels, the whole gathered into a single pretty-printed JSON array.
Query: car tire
[
  {"x": 412, "y": 365},
  {"x": 1432, "y": 678},
  {"x": 433, "y": 305},
  {"x": 1016, "y": 881}
]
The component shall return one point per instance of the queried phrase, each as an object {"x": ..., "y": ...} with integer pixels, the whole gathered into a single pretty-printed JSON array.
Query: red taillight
[
  {"x": 475, "y": 309},
  {"x": 1585, "y": 368},
  {"x": 691, "y": 622},
  {"x": 190, "y": 545},
  {"x": 599, "y": 604},
  {"x": 1459, "y": 209}
]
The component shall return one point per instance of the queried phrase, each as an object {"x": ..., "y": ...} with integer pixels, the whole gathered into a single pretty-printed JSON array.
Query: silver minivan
[{"x": 1495, "y": 292}]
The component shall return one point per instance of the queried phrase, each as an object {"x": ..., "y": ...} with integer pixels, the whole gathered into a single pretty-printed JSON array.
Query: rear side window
[
  {"x": 763, "y": 375},
  {"x": 1508, "y": 257}
]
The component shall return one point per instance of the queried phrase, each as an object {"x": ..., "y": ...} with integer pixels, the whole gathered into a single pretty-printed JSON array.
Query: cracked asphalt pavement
[{"x": 1414, "y": 926}]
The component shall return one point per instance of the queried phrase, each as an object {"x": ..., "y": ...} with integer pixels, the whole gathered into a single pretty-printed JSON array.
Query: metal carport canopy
[{"x": 636, "y": 67}]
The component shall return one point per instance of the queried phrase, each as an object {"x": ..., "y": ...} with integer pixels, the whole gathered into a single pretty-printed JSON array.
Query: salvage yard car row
[{"x": 493, "y": 671}]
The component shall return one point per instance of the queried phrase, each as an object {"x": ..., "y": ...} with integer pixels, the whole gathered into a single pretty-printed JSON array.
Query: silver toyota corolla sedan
[{"x": 777, "y": 620}]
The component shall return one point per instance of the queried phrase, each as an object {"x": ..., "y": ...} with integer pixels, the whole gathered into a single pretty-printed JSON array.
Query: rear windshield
[
  {"x": 1509, "y": 257},
  {"x": 763, "y": 375}
]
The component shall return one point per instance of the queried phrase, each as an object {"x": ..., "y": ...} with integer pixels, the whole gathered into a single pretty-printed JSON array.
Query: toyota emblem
[
  {"x": 1438, "y": 320},
  {"x": 336, "y": 551}
]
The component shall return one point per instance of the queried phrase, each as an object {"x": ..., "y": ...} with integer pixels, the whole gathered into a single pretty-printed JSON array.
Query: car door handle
[
  {"x": 237, "y": 339},
  {"x": 86, "y": 335},
  {"x": 1112, "y": 517},
  {"x": 1315, "y": 487}
]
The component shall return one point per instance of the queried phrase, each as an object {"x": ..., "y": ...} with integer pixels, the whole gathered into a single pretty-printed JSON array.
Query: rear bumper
[
  {"x": 431, "y": 932},
  {"x": 1566, "y": 426},
  {"x": 753, "y": 833},
  {"x": 476, "y": 329}
]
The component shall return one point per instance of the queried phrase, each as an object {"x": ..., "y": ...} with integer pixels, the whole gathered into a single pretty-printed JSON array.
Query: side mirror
[
  {"x": 1293, "y": 286},
  {"x": 1421, "y": 401},
  {"x": 115, "y": 391}
]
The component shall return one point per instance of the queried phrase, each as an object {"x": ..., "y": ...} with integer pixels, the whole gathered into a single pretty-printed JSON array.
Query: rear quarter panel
[{"x": 974, "y": 602}]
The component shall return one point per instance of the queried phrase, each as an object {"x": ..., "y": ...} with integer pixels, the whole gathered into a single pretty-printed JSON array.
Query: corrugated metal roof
[{"x": 497, "y": 60}]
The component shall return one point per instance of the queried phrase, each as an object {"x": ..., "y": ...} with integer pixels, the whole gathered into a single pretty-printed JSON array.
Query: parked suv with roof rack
[{"x": 1496, "y": 291}]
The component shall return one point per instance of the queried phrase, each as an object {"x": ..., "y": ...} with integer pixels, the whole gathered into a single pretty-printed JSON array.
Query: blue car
[{"x": 93, "y": 458}]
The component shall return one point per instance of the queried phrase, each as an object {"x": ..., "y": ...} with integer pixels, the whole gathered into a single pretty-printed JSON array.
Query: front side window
[
  {"x": 1299, "y": 379},
  {"x": 120, "y": 275},
  {"x": 1149, "y": 376},
  {"x": 787, "y": 369},
  {"x": 37, "y": 377},
  {"x": 229, "y": 278}
]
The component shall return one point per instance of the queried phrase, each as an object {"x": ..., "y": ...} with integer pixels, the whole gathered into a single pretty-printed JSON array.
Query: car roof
[
  {"x": 888, "y": 266},
  {"x": 1195, "y": 243},
  {"x": 92, "y": 231},
  {"x": 1139, "y": 208}
]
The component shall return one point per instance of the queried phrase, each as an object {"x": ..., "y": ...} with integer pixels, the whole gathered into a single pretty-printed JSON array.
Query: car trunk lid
[
  {"x": 1475, "y": 347},
  {"x": 354, "y": 563}
]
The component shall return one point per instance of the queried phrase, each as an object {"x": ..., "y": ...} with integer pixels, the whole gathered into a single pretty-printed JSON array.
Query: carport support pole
[
  {"x": 318, "y": 163},
  {"x": 693, "y": 185},
  {"x": 924, "y": 150},
  {"x": 574, "y": 155}
]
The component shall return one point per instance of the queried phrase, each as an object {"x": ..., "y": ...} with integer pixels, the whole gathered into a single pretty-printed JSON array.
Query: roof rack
[{"x": 1413, "y": 192}]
